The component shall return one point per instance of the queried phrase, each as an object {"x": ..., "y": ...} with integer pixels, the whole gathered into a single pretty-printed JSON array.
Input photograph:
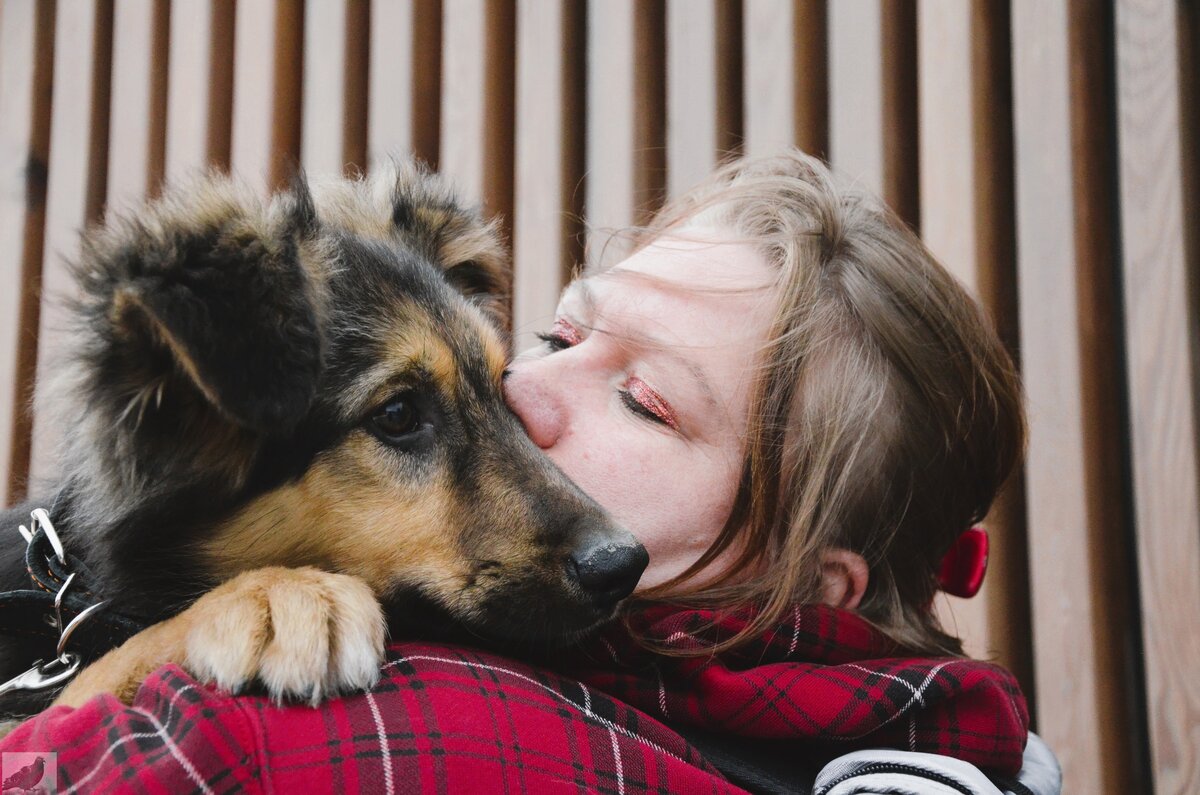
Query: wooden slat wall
[
  {"x": 477, "y": 100},
  {"x": 548, "y": 166},
  {"x": 967, "y": 221},
  {"x": 77, "y": 177},
  {"x": 625, "y": 121},
  {"x": 704, "y": 96},
  {"x": 1046, "y": 151},
  {"x": 265, "y": 127},
  {"x": 1080, "y": 594},
  {"x": 137, "y": 130},
  {"x": 26, "y": 64},
  {"x": 405, "y": 80},
  {"x": 1161, "y": 335},
  {"x": 786, "y": 84},
  {"x": 334, "y": 139},
  {"x": 199, "y": 89},
  {"x": 873, "y": 99},
  {"x": 856, "y": 128}
]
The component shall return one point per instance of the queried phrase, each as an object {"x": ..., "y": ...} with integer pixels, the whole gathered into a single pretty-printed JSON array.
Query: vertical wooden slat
[
  {"x": 188, "y": 90},
  {"x": 1079, "y": 599},
  {"x": 549, "y": 159},
  {"x": 335, "y": 72},
  {"x": 967, "y": 221},
  {"x": 139, "y": 96},
  {"x": 26, "y": 61},
  {"x": 76, "y": 187},
  {"x": 991, "y": 76},
  {"x": 786, "y": 88},
  {"x": 393, "y": 61},
  {"x": 948, "y": 221},
  {"x": 405, "y": 80},
  {"x": 1160, "y": 333},
  {"x": 704, "y": 98},
  {"x": 199, "y": 88},
  {"x": 358, "y": 42},
  {"x": 265, "y": 145},
  {"x": 477, "y": 100},
  {"x": 901, "y": 148},
  {"x": 856, "y": 129},
  {"x": 873, "y": 99},
  {"x": 324, "y": 87},
  {"x": 427, "y": 80},
  {"x": 625, "y": 121},
  {"x": 947, "y": 143},
  {"x": 253, "y": 85}
]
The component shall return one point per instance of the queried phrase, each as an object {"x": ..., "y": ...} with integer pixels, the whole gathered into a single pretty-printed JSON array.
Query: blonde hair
[{"x": 885, "y": 416}]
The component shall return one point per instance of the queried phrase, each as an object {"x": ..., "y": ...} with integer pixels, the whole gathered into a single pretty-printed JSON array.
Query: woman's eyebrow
[
  {"x": 643, "y": 342},
  {"x": 581, "y": 291},
  {"x": 698, "y": 377}
]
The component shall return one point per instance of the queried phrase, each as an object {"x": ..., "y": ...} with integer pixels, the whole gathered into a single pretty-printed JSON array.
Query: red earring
[{"x": 965, "y": 563}]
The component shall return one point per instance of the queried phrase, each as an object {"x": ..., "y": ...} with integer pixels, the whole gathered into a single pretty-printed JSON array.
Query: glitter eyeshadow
[
  {"x": 651, "y": 401},
  {"x": 565, "y": 332}
]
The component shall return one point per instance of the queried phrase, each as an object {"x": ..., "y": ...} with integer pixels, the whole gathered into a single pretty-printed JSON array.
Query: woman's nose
[{"x": 530, "y": 393}]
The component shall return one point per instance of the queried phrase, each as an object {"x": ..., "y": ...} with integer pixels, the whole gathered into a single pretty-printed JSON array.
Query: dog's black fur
[{"x": 234, "y": 394}]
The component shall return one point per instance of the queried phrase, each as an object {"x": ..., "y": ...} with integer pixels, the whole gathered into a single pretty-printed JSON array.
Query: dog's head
[{"x": 318, "y": 381}]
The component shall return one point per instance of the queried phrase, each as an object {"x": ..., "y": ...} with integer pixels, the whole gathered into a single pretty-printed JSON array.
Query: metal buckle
[
  {"x": 59, "y": 670},
  {"x": 41, "y": 676}
]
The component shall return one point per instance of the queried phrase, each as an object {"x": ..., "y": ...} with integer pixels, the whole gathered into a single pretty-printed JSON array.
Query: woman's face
[{"x": 640, "y": 392}]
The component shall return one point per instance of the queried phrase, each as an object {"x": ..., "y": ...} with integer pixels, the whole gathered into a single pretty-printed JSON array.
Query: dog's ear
[
  {"x": 428, "y": 215},
  {"x": 219, "y": 283}
]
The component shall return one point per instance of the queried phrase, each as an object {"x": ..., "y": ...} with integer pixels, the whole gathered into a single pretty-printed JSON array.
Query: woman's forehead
[
  {"x": 726, "y": 283},
  {"x": 700, "y": 260},
  {"x": 708, "y": 332}
]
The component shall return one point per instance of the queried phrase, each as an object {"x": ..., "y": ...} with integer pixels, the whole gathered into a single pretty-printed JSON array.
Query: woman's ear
[{"x": 844, "y": 578}]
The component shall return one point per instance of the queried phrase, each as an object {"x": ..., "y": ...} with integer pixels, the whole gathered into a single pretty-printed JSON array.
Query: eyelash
[
  {"x": 553, "y": 341},
  {"x": 560, "y": 342},
  {"x": 632, "y": 404}
]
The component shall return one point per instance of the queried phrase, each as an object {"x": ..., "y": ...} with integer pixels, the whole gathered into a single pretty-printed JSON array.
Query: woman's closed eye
[
  {"x": 640, "y": 398},
  {"x": 562, "y": 335}
]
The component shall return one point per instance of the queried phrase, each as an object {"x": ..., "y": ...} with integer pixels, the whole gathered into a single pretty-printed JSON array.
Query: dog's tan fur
[{"x": 342, "y": 515}]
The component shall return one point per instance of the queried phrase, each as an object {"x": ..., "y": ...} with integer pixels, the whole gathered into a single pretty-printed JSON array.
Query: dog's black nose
[{"x": 610, "y": 570}]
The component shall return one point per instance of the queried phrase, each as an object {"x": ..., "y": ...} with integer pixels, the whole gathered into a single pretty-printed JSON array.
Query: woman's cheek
[
  {"x": 684, "y": 509},
  {"x": 639, "y": 484}
]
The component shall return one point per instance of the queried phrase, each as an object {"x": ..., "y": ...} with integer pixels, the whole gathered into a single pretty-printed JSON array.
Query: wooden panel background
[{"x": 1045, "y": 150}]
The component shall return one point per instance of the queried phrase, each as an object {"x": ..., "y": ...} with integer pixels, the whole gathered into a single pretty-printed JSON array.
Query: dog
[{"x": 284, "y": 427}]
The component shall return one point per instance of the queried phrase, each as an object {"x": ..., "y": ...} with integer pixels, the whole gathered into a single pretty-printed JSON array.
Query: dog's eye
[{"x": 397, "y": 418}]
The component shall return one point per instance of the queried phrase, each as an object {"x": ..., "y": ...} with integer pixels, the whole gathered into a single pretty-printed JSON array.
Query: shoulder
[{"x": 443, "y": 715}]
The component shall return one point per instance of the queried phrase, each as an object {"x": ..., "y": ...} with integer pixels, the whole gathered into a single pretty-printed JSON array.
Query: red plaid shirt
[{"x": 449, "y": 719}]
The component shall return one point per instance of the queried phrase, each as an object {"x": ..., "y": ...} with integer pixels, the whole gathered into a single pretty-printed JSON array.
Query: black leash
[{"x": 60, "y": 607}]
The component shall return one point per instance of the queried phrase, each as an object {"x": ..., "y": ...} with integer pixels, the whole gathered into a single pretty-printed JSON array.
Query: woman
[{"x": 798, "y": 413}]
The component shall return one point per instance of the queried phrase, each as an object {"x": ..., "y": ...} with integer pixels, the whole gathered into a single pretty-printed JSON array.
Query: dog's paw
[{"x": 303, "y": 633}]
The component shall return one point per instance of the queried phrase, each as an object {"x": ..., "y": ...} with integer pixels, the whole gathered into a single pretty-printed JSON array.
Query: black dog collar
[{"x": 61, "y": 607}]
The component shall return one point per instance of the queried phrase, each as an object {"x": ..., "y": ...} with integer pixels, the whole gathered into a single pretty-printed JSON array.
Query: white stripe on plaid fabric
[
  {"x": 168, "y": 743},
  {"x": 916, "y": 698},
  {"x": 385, "y": 757}
]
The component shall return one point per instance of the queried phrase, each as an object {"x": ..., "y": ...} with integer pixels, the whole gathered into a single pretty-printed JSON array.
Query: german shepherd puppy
[{"x": 284, "y": 420}]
